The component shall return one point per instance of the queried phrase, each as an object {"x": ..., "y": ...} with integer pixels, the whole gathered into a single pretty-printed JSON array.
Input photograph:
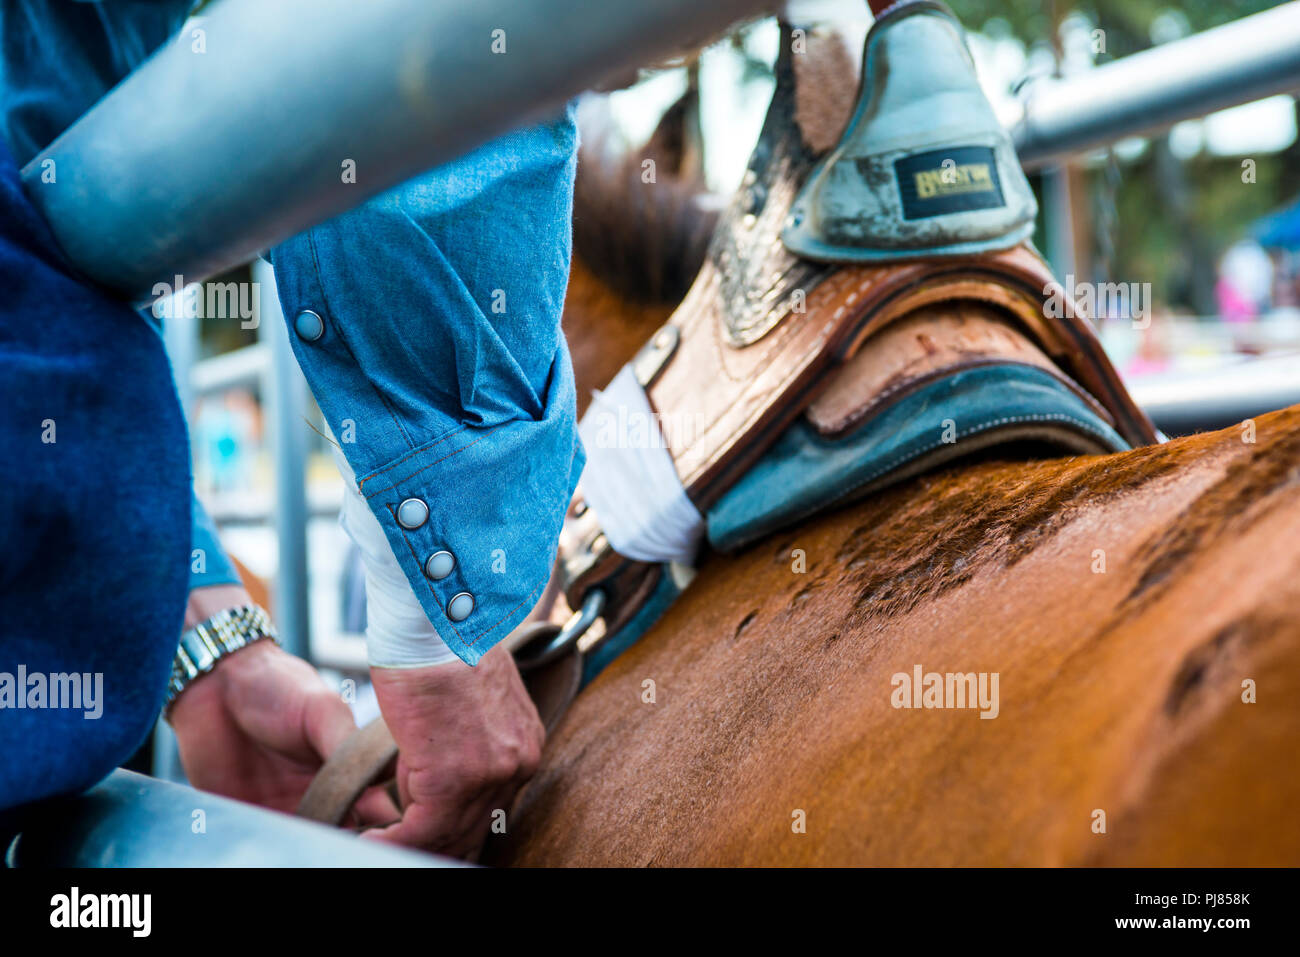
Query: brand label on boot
[{"x": 948, "y": 181}]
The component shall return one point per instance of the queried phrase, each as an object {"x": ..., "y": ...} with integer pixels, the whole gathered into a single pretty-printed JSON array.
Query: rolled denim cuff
[
  {"x": 474, "y": 520},
  {"x": 472, "y": 516},
  {"x": 427, "y": 323}
]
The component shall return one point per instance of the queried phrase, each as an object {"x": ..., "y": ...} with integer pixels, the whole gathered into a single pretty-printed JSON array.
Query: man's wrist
[
  {"x": 205, "y": 602},
  {"x": 201, "y": 605},
  {"x": 215, "y": 639},
  {"x": 233, "y": 668}
]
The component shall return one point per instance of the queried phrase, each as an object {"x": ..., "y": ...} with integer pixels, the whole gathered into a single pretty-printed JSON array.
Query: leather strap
[{"x": 366, "y": 758}]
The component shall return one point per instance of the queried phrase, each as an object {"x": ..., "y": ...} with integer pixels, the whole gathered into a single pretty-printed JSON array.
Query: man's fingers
[
  {"x": 419, "y": 828},
  {"x": 327, "y": 723},
  {"x": 454, "y": 832},
  {"x": 375, "y": 806}
]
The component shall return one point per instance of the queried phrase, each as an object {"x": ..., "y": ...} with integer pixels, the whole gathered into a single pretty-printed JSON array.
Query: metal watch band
[{"x": 202, "y": 646}]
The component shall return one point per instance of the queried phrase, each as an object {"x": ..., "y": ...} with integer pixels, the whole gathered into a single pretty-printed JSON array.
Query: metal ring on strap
[{"x": 552, "y": 641}]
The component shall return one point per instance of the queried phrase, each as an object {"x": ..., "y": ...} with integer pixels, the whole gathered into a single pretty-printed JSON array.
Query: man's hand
[
  {"x": 469, "y": 738},
  {"x": 260, "y": 726}
]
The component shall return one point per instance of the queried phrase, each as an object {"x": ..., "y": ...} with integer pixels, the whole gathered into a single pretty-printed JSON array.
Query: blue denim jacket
[
  {"x": 427, "y": 322},
  {"x": 429, "y": 330}
]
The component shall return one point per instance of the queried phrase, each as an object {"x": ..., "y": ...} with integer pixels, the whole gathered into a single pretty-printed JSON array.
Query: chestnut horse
[{"x": 1141, "y": 612}]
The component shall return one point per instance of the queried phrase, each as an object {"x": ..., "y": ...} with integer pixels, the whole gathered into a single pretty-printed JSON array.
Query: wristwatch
[{"x": 202, "y": 646}]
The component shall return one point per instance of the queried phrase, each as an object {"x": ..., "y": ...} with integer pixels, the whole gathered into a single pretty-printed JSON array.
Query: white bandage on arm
[
  {"x": 630, "y": 479},
  {"x": 398, "y": 633}
]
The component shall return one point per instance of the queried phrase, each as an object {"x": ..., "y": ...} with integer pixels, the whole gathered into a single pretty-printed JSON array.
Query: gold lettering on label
[{"x": 971, "y": 178}]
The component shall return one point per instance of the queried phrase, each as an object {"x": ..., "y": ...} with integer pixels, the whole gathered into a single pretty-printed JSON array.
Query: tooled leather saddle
[
  {"x": 878, "y": 352},
  {"x": 815, "y": 383}
]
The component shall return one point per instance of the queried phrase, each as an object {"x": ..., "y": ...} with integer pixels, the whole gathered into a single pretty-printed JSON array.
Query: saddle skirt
[{"x": 811, "y": 383}]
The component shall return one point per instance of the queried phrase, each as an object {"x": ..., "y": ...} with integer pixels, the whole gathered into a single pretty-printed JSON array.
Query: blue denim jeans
[{"x": 94, "y": 517}]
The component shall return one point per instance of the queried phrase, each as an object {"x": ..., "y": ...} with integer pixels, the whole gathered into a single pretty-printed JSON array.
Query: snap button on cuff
[
  {"x": 439, "y": 565},
  {"x": 458, "y": 608},
  {"x": 412, "y": 513},
  {"x": 309, "y": 326}
]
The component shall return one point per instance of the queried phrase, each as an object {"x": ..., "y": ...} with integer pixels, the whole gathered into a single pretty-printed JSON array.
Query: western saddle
[{"x": 870, "y": 308}]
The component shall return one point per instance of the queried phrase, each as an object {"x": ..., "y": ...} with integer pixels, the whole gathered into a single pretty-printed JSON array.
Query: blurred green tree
[{"x": 1174, "y": 217}]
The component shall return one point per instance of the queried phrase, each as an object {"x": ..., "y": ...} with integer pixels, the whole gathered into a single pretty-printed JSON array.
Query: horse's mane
[{"x": 646, "y": 241}]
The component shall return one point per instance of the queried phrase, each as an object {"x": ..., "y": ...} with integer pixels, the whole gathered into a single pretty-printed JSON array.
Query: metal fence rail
[
  {"x": 245, "y": 144},
  {"x": 129, "y": 820},
  {"x": 199, "y": 160},
  {"x": 1248, "y": 59},
  {"x": 1196, "y": 401}
]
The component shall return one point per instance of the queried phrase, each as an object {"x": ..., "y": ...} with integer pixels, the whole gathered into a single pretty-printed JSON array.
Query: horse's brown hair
[{"x": 1141, "y": 609}]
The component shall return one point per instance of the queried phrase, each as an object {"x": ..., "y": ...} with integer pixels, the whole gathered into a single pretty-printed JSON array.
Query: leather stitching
[
  {"x": 401, "y": 481},
  {"x": 424, "y": 448}
]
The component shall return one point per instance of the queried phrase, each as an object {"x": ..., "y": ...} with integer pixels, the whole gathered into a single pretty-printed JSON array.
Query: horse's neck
[{"x": 1122, "y": 599}]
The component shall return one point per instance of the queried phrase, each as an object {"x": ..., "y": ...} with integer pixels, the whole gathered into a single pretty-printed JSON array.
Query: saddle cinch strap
[
  {"x": 811, "y": 382},
  {"x": 920, "y": 329}
]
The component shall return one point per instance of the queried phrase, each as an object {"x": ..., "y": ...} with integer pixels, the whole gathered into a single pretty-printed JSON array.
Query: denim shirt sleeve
[
  {"x": 209, "y": 564},
  {"x": 427, "y": 323}
]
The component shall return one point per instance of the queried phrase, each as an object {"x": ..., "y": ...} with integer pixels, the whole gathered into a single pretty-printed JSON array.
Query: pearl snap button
[
  {"x": 458, "y": 608},
  {"x": 412, "y": 513},
  {"x": 309, "y": 326},
  {"x": 439, "y": 565}
]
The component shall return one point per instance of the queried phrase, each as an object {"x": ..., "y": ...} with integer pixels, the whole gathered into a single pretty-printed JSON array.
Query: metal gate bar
[
  {"x": 1248, "y": 59},
  {"x": 200, "y": 160},
  {"x": 129, "y": 820}
]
